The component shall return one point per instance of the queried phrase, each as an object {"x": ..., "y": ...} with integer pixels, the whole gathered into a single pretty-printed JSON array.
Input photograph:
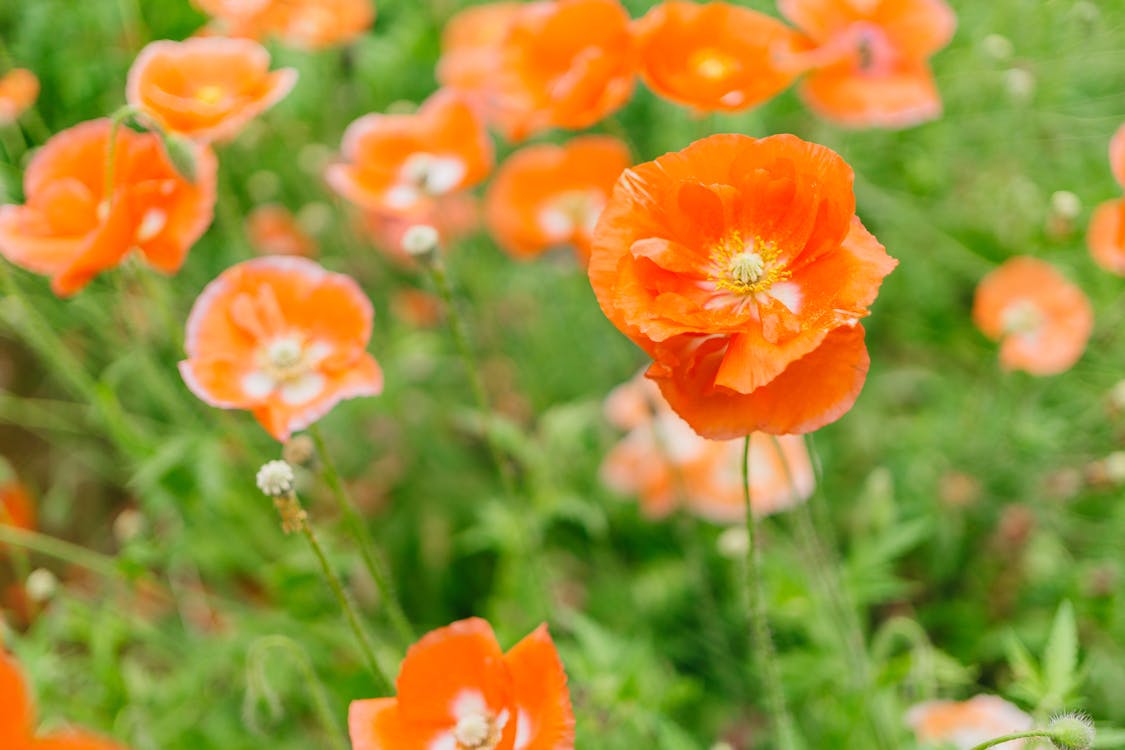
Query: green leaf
[{"x": 1060, "y": 657}]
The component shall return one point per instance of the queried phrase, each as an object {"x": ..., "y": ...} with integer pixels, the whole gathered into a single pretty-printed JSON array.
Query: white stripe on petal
[
  {"x": 258, "y": 384},
  {"x": 303, "y": 389}
]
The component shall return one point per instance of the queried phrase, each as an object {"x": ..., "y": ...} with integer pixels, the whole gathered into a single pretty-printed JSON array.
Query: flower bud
[
  {"x": 1071, "y": 732},
  {"x": 299, "y": 450},
  {"x": 181, "y": 152},
  {"x": 420, "y": 239},
  {"x": 275, "y": 479},
  {"x": 41, "y": 585}
]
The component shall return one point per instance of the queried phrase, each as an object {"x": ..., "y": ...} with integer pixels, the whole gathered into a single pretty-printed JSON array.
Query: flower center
[
  {"x": 432, "y": 175},
  {"x": 284, "y": 359},
  {"x": 476, "y": 731},
  {"x": 746, "y": 267},
  {"x": 210, "y": 94},
  {"x": 712, "y": 64},
  {"x": 571, "y": 212},
  {"x": 1021, "y": 318}
]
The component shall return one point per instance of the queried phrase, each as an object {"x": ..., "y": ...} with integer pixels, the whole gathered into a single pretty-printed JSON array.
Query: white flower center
[
  {"x": 476, "y": 731},
  {"x": 284, "y": 354},
  {"x": 431, "y": 174},
  {"x": 1021, "y": 318}
]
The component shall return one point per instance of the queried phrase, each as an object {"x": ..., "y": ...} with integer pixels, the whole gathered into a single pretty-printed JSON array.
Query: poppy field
[{"x": 610, "y": 374}]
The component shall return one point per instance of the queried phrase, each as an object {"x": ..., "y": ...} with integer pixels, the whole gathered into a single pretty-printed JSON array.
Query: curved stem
[
  {"x": 1014, "y": 736},
  {"x": 383, "y": 683},
  {"x": 375, "y": 565},
  {"x": 762, "y": 638}
]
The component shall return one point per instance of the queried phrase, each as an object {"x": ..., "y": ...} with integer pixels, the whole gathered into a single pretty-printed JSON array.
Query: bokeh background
[{"x": 965, "y": 503}]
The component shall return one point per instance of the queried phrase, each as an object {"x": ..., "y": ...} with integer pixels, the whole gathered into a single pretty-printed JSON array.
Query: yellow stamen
[
  {"x": 712, "y": 64},
  {"x": 210, "y": 94},
  {"x": 746, "y": 267}
]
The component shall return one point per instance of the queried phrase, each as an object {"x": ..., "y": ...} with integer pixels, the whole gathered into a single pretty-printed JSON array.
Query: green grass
[{"x": 649, "y": 616}]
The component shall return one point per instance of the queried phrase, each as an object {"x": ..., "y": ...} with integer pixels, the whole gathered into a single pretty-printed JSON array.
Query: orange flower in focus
[
  {"x": 283, "y": 338},
  {"x": 308, "y": 24},
  {"x": 666, "y": 464},
  {"x": 966, "y": 724},
  {"x": 545, "y": 196},
  {"x": 17, "y": 718},
  {"x": 715, "y": 56},
  {"x": 1042, "y": 320},
  {"x": 540, "y": 65},
  {"x": 403, "y": 164},
  {"x": 1106, "y": 236},
  {"x": 457, "y": 689},
  {"x": 274, "y": 231},
  {"x": 206, "y": 88},
  {"x": 870, "y": 66},
  {"x": 18, "y": 90},
  {"x": 70, "y": 230},
  {"x": 739, "y": 266}
]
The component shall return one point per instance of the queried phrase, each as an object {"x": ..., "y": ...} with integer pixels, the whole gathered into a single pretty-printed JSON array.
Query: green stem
[
  {"x": 1014, "y": 736},
  {"x": 60, "y": 550},
  {"x": 383, "y": 683},
  {"x": 762, "y": 639},
  {"x": 825, "y": 573},
  {"x": 256, "y": 658},
  {"x": 376, "y": 567}
]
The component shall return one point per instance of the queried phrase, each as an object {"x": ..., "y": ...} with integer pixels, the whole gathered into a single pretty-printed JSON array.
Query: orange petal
[
  {"x": 450, "y": 666},
  {"x": 73, "y": 740},
  {"x": 545, "y": 719},
  {"x": 813, "y": 391},
  {"x": 1117, "y": 155},
  {"x": 904, "y": 97},
  {"x": 16, "y": 713},
  {"x": 1105, "y": 238},
  {"x": 377, "y": 725}
]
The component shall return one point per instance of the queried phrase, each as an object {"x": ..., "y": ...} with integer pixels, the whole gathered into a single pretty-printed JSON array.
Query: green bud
[
  {"x": 1071, "y": 732},
  {"x": 181, "y": 152}
]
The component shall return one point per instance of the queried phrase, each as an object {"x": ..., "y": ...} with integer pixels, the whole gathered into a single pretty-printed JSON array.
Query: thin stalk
[
  {"x": 61, "y": 550},
  {"x": 383, "y": 683},
  {"x": 1014, "y": 736},
  {"x": 762, "y": 638},
  {"x": 376, "y": 567},
  {"x": 832, "y": 588}
]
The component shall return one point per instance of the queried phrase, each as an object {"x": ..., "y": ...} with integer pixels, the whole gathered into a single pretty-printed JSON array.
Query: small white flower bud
[
  {"x": 734, "y": 543},
  {"x": 1020, "y": 83},
  {"x": 128, "y": 524},
  {"x": 41, "y": 585},
  {"x": 275, "y": 479},
  {"x": 1066, "y": 204},
  {"x": 420, "y": 239},
  {"x": 997, "y": 47},
  {"x": 1115, "y": 467}
]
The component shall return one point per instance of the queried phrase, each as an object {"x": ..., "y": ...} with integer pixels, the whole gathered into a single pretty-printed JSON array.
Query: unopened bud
[
  {"x": 128, "y": 525},
  {"x": 997, "y": 47},
  {"x": 275, "y": 479},
  {"x": 181, "y": 152},
  {"x": 734, "y": 543},
  {"x": 41, "y": 585},
  {"x": 1020, "y": 83},
  {"x": 1066, "y": 204},
  {"x": 1071, "y": 732},
  {"x": 299, "y": 450},
  {"x": 420, "y": 239}
]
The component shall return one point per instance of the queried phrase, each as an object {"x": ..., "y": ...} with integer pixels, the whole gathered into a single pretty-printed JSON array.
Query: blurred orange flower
[
  {"x": 206, "y": 88},
  {"x": 71, "y": 230},
  {"x": 18, "y": 90},
  {"x": 402, "y": 164},
  {"x": 453, "y": 216},
  {"x": 17, "y": 718},
  {"x": 309, "y": 24},
  {"x": 715, "y": 56},
  {"x": 541, "y": 65},
  {"x": 274, "y": 231},
  {"x": 1106, "y": 235},
  {"x": 16, "y": 508},
  {"x": 870, "y": 64},
  {"x": 457, "y": 689},
  {"x": 966, "y": 724},
  {"x": 1042, "y": 320},
  {"x": 545, "y": 195},
  {"x": 666, "y": 464},
  {"x": 282, "y": 337},
  {"x": 739, "y": 266}
]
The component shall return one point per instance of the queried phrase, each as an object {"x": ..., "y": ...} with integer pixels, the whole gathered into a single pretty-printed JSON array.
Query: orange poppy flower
[
  {"x": 739, "y": 266},
  {"x": 870, "y": 64},
  {"x": 547, "y": 195},
  {"x": 16, "y": 508},
  {"x": 71, "y": 230},
  {"x": 17, "y": 718},
  {"x": 274, "y": 231},
  {"x": 539, "y": 65},
  {"x": 666, "y": 464},
  {"x": 403, "y": 163},
  {"x": 715, "y": 56},
  {"x": 1042, "y": 320},
  {"x": 308, "y": 24},
  {"x": 457, "y": 689},
  {"x": 18, "y": 90},
  {"x": 282, "y": 337},
  {"x": 206, "y": 88},
  {"x": 966, "y": 724},
  {"x": 1106, "y": 235}
]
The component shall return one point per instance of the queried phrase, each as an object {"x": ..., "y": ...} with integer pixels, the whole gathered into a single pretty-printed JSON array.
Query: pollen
[
  {"x": 209, "y": 94},
  {"x": 476, "y": 731},
  {"x": 746, "y": 267}
]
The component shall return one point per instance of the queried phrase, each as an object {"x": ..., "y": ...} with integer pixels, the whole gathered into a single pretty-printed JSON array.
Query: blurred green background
[{"x": 969, "y": 501}]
